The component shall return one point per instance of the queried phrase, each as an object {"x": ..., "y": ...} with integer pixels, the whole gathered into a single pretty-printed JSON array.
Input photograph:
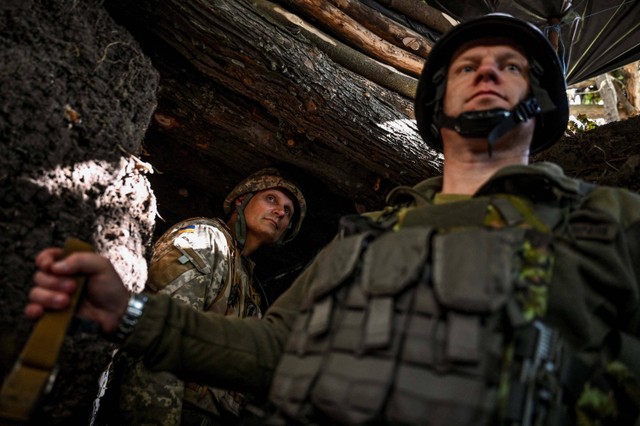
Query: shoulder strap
[{"x": 225, "y": 290}]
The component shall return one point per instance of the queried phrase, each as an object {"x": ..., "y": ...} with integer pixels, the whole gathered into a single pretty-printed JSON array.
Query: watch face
[{"x": 130, "y": 318}]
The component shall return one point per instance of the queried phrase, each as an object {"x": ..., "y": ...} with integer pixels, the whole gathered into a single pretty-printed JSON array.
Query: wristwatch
[{"x": 130, "y": 318}]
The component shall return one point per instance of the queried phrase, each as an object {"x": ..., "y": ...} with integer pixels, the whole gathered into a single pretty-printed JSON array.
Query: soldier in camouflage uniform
[
  {"x": 204, "y": 263},
  {"x": 498, "y": 293}
]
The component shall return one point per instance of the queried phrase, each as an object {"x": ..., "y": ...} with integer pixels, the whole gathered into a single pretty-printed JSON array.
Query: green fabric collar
[
  {"x": 441, "y": 198},
  {"x": 546, "y": 176}
]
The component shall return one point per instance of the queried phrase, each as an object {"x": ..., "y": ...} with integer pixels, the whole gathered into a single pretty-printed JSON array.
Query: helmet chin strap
[
  {"x": 241, "y": 222},
  {"x": 280, "y": 241},
  {"x": 492, "y": 123}
]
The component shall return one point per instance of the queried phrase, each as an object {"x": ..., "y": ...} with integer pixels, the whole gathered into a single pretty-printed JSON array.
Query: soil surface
[
  {"x": 607, "y": 155},
  {"x": 77, "y": 96}
]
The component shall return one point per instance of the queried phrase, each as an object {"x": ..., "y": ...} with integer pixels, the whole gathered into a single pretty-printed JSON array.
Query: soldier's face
[
  {"x": 493, "y": 74},
  {"x": 268, "y": 215}
]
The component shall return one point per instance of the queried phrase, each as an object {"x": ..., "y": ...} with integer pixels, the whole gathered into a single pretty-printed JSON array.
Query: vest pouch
[
  {"x": 346, "y": 391},
  {"x": 395, "y": 260},
  {"x": 309, "y": 340},
  {"x": 452, "y": 356},
  {"x": 473, "y": 269},
  {"x": 336, "y": 262}
]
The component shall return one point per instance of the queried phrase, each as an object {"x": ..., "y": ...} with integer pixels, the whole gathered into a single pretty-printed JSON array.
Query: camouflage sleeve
[
  {"x": 148, "y": 398},
  {"x": 190, "y": 264}
]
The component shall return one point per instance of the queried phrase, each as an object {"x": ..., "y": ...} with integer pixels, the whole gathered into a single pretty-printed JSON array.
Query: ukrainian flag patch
[{"x": 190, "y": 228}]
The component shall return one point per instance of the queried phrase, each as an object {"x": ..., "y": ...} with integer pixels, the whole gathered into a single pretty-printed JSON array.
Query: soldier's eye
[{"x": 513, "y": 67}]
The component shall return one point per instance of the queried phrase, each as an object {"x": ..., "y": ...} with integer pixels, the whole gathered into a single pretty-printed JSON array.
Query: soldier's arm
[
  {"x": 237, "y": 354},
  {"x": 146, "y": 397},
  {"x": 191, "y": 263}
]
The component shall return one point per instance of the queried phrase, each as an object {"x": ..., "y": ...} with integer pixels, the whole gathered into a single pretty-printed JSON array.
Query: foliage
[{"x": 582, "y": 125}]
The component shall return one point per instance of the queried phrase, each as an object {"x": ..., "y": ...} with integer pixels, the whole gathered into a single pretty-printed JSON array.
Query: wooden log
[
  {"x": 591, "y": 111},
  {"x": 403, "y": 20},
  {"x": 609, "y": 98},
  {"x": 583, "y": 84},
  {"x": 344, "y": 55},
  {"x": 300, "y": 107},
  {"x": 358, "y": 36},
  {"x": 625, "y": 108},
  {"x": 632, "y": 80},
  {"x": 421, "y": 12},
  {"x": 386, "y": 28}
]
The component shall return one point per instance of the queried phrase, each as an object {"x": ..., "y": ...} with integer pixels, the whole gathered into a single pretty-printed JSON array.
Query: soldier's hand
[{"x": 105, "y": 299}]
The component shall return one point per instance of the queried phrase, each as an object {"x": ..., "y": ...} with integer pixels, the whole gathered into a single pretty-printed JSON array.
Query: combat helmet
[
  {"x": 267, "y": 178},
  {"x": 547, "y": 102}
]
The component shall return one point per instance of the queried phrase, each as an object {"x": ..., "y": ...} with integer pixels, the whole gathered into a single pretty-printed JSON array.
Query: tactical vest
[{"x": 438, "y": 322}]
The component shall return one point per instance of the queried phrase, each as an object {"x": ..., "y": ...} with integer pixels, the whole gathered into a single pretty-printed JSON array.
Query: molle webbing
[
  {"x": 390, "y": 340},
  {"x": 408, "y": 325}
]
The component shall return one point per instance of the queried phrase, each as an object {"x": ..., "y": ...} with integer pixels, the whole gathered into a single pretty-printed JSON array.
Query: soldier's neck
[{"x": 468, "y": 165}]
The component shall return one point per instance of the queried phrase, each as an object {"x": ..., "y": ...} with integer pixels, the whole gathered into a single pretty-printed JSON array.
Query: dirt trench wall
[{"x": 77, "y": 96}]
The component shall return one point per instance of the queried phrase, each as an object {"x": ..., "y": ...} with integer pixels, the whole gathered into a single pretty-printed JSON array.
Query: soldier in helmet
[
  {"x": 498, "y": 293},
  {"x": 205, "y": 263}
]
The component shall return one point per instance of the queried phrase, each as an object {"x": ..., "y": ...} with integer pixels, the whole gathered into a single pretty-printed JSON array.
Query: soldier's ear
[{"x": 240, "y": 199}]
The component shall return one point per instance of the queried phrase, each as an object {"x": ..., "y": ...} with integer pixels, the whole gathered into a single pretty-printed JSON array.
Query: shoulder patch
[
  {"x": 189, "y": 228},
  {"x": 593, "y": 231},
  {"x": 593, "y": 225}
]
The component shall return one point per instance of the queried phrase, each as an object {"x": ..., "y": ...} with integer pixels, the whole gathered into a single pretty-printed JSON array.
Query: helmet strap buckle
[{"x": 492, "y": 123}]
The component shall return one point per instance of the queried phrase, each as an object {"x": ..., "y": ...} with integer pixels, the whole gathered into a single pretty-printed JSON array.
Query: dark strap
[{"x": 33, "y": 369}]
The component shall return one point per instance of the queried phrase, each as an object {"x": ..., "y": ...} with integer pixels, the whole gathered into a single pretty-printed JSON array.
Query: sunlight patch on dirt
[{"x": 122, "y": 197}]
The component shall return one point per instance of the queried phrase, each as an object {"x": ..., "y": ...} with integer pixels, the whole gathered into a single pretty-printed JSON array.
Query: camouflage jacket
[
  {"x": 197, "y": 263},
  {"x": 595, "y": 290}
]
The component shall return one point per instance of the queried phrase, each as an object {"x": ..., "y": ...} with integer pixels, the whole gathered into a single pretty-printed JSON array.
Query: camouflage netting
[{"x": 77, "y": 95}]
